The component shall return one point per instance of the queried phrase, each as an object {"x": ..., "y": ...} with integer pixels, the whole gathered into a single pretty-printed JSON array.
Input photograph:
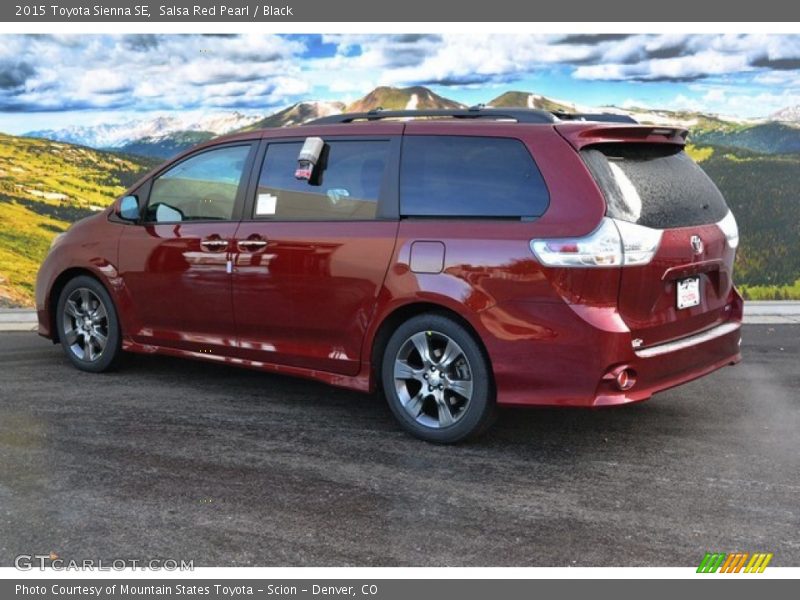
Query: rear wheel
[
  {"x": 437, "y": 380},
  {"x": 87, "y": 325}
]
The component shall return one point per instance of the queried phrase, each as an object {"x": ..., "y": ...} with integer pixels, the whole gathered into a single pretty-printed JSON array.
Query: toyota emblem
[{"x": 697, "y": 244}]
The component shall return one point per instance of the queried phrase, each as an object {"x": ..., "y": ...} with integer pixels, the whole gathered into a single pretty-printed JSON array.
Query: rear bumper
[
  {"x": 668, "y": 365},
  {"x": 567, "y": 353}
]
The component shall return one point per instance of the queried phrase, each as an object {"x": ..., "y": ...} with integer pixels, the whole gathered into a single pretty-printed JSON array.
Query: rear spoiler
[
  {"x": 580, "y": 135},
  {"x": 605, "y": 117}
]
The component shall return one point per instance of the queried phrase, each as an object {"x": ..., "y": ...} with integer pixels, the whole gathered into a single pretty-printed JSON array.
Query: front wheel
[
  {"x": 437, "y": 380},
  {"x": 87, "y": 325}
]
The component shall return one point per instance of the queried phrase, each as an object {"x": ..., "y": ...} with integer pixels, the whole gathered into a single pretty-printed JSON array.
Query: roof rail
[
  {"x": 480, "y": 111},
  {"x": 606, "y": 117},
  {"x": 520, "y": 115}
]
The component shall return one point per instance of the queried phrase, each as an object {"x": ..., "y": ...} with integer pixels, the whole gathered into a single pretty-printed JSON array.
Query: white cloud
[
  {"x": 449, "y": 58},
  {"x": 697, "y": 66},
  {"x": 734, "y": 102},
  {"x": 176, "y": 72},
  {"x": 457, "y": 58},
  {"x": 191, "y": 72},
  {"x": 787, "y": 79}
]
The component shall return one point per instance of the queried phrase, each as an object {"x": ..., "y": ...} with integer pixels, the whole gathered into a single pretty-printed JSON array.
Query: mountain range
[
  {"x": 166, "y": 135},
  {"x": 117, "y": 135}
]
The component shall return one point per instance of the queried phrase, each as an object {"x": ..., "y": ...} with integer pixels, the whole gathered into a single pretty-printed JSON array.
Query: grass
[
  {"x": 771, "y": 292},
  {"x": 699, "y": 154},
  {"x": 45, "y": 186}
]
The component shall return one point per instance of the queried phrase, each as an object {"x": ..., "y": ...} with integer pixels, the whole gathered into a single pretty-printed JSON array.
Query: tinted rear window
[
  {"x": 655, "y": 185},
  {"x": 453, "y": 176}
]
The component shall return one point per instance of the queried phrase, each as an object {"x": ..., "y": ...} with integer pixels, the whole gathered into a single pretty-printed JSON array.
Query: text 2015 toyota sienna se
[{"x": 465, "y": 260}]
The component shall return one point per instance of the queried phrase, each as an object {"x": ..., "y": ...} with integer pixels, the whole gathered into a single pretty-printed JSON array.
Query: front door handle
[
  {"x": 214, "y": 244},
  {"x": 251, "y": 245}
]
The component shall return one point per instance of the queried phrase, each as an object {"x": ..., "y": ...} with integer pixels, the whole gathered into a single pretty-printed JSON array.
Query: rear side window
[
  {"x": 346, "y": 183},
  {"x": 655, "y": 185},
  {"x": 454, "y": 176},
  {"x": 200, "y": 188}
]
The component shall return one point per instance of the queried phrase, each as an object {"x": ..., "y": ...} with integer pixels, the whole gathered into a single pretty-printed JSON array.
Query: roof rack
[{"x": 520, "y": 115}]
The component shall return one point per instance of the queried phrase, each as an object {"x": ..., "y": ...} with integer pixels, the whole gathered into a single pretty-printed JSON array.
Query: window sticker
[{"x": 265, "y": 204}]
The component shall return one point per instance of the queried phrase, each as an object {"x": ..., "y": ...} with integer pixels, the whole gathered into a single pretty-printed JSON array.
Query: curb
[
  {"x": 32, "y": 327},
  {"x": 17, "y": 319},
  {"x": 771, "y": 312},
  {"x": 755, "y": 313}
]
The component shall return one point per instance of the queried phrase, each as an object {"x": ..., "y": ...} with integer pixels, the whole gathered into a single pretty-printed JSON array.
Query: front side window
[
  {"x": 201, "y": 188},
  {"x": 346, "y": 184},
  {"x": 461, "y": 176}
]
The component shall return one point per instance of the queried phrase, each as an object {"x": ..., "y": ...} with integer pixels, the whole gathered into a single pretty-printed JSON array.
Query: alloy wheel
[
  {"x": 433, "y": 379},
  {"x": 84, "y": 325}
]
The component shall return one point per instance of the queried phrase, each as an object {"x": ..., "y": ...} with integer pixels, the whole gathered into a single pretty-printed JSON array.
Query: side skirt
[{"x": 360, "y": 382}]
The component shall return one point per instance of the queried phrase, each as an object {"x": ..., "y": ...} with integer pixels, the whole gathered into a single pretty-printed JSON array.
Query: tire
[
  {"x": 85, "y": 316},
  {"x": 437, "y": 380}
]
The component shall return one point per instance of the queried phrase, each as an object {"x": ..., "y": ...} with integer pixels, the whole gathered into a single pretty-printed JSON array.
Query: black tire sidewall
[
  {"x": 481, "y": 407},
  {"x": 112, "y": 350}
]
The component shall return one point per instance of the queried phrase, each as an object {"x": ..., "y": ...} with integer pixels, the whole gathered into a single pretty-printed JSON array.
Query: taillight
[
  {"x": 639, "y": 243},
  {"x": 728, "y": 226},
  {"x": 613, "y": 244}
]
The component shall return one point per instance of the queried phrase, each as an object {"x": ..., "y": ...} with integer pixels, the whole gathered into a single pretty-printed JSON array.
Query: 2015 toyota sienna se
[{"x": 465, "y": 260}]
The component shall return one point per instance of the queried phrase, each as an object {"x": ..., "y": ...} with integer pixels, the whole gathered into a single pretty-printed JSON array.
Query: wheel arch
[
  {"x": 400, "y": 314},
  {"x": 59, "y": 283}
]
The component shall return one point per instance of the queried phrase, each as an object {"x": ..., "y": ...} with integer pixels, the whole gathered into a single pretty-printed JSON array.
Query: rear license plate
[{"x": 688, "y": 292}]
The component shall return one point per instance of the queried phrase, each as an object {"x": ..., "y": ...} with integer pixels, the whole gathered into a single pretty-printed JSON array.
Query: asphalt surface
[{"x": 176, "y": 459}]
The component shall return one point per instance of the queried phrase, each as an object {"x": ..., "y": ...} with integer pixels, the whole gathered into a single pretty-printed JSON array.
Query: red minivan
[{"x": 458, "y": 261}]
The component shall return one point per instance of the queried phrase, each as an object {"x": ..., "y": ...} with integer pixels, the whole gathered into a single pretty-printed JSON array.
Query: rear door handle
[
  {"x": 251, "y": 245},
  {"x": 214, "y": 244}
]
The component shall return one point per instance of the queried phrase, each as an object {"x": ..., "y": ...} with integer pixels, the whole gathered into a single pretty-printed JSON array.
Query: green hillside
[
  {"x": 45, "y": 186},
  {"x": 764, "y": 194},
  {"x": 766, "y": 138}
]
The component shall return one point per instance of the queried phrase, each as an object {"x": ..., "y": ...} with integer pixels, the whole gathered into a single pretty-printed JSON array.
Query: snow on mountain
[
  {"x": 789, "y": 114},
  {"x": 297, "y": 114},
  {"x": 175, "y": 131},
  {"x": 117, "y": 135}
]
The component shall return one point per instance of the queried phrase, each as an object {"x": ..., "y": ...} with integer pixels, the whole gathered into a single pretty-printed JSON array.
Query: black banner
[{"x": 379, "y": 589}]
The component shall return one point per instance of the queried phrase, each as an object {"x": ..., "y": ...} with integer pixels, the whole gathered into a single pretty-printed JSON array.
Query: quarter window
[
  {"x": 346, "y": 183},
  {"x": 455, "y": 176},
  {"x": 201, "y": 188}
]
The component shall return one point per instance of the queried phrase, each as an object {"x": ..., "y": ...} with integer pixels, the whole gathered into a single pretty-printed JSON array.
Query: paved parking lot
[{"x": 175, "y": 459}]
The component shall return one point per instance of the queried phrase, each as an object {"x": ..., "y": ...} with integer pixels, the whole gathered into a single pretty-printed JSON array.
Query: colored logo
[{"x": 738, "y": 562}]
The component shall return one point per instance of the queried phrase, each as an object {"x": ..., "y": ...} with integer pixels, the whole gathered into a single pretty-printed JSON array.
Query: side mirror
[{"x": 129, "y": 208}]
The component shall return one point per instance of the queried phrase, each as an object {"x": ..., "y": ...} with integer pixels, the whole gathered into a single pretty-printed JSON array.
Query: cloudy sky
[{"x": 53, "y": 81}]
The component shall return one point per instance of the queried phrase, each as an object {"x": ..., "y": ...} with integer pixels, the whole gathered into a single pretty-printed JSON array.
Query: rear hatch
[
  {"x": 686, "y": 285},
  {"x": 679, "y": 238}
]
